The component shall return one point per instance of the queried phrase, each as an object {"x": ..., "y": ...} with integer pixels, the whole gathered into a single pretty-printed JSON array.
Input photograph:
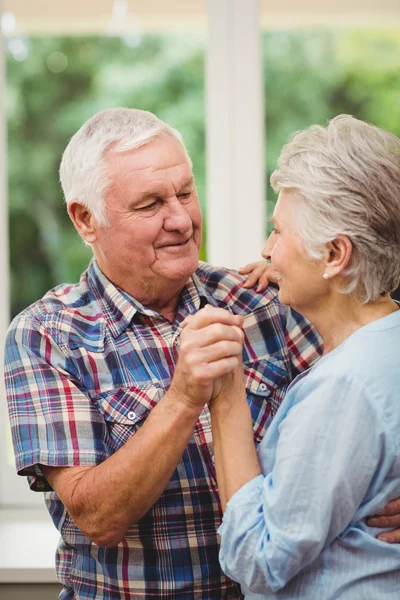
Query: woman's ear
[
  {"x": 338, "y": 255},
  {"x": 84, "y": 222}
]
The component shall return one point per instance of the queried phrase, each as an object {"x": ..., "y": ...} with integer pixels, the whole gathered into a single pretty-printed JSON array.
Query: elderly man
[{"x": 105, "y": 419}]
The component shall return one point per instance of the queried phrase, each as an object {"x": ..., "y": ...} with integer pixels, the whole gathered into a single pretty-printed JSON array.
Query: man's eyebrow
[
  {"x": 151, "y": 194},
  {"x": 189, "y": 181},
  {"x": 158, "y": 192}
]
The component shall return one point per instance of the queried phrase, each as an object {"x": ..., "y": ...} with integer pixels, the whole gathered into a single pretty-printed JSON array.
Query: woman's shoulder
[
  {"x": 364, "y": 370},
  {"x": 370, "y": 355}
]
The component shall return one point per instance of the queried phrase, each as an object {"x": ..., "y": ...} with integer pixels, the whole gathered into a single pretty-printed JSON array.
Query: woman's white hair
[
  {"x": 347, "y": 175},
  {"x": 83, "y": 175}
]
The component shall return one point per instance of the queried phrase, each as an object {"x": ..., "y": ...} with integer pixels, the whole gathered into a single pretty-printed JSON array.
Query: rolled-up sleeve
[
  {"x": 327, "y": 449},
  {"x": 53, "y": 421}
]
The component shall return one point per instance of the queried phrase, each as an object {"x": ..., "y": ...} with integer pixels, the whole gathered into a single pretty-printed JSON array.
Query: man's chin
[{"x": 179, "y": 269}]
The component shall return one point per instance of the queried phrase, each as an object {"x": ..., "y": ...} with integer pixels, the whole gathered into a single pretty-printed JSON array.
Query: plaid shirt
[{"x": 84, "y": 366}]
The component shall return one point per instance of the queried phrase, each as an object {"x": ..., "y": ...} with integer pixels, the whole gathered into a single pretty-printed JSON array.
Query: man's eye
[
  {"x": 184, "y": 195},
  {"x": 149, "y": 206}
]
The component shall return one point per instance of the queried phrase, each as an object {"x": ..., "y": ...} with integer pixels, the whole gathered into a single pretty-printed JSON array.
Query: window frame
[
  {"x": 236, "y": 202},
  {"x": 235, "y": 228}
]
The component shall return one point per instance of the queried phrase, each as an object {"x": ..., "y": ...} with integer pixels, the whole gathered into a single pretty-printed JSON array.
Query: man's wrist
[{"x": 183, "y": 404}]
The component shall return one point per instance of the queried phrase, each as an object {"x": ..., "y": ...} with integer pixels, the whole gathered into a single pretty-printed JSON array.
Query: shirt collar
[
  {"x": 119, "y": 308},
  {"x": 194, "y": 297}
]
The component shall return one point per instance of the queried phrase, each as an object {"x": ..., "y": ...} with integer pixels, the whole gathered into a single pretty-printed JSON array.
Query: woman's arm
[
  {"x": 259, "y": 274},
  {"x": 235, "y": 455},
  {"x": 327, "y": 449}
]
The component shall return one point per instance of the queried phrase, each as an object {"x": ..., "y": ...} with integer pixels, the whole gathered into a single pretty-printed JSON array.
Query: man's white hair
[
  {"x": 348, "y": 178},
  {"x": 83, "y": 175}
]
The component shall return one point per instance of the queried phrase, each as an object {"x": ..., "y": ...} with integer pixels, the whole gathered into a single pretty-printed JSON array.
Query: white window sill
[{"x": 28, "y": 541}]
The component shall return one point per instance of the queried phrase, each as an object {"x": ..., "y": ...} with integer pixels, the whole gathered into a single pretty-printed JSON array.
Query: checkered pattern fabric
[{"x": 84, "y": 367}]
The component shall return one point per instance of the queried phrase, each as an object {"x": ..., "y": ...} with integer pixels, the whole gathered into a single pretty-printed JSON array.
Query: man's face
[{"x": 153, "y": 235}]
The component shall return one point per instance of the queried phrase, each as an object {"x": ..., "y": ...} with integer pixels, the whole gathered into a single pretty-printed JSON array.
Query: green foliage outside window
[
  {"x": 313, "y": 76},
  {"x": 310, "y": 76},
  {"x": 61, "y": 83}
]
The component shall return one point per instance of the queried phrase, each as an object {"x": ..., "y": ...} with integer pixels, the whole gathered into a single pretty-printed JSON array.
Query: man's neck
[
  {"x": 159, "y": 295},
  {"x": 162, "y": 297},
  {"x": 166, "y": 308}
]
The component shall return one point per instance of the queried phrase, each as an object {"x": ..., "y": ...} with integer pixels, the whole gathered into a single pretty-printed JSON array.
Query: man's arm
[{"x": 106, "y": 499}]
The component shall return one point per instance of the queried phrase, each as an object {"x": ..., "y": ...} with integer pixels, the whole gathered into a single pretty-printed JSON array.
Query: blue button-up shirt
[{"x": 330, "y": 459}]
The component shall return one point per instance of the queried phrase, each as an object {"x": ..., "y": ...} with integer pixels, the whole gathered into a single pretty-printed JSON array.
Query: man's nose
[
  {"x": 268, "y": 248},
  {"x": 177, "y": 219}
]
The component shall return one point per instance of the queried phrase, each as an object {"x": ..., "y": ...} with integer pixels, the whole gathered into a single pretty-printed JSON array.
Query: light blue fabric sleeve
[{"x": 329, "y": 444}]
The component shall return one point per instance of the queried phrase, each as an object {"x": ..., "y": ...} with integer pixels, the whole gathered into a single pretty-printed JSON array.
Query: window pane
[
  {"x": 65, "y": 62},
  {"x": 314, "y": 75},
  {"x": 55, "y": 83}
]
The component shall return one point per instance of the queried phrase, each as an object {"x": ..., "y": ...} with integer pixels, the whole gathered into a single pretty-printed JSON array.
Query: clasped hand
[{"x": 210, "y": 347}]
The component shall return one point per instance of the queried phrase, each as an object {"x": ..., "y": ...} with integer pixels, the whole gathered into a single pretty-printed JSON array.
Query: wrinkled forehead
[
  {"x": 159, "y": 167},
  {"x": 161, "y": 153}
]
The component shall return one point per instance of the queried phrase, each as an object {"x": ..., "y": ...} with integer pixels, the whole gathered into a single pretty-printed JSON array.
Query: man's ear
[
  {"x": 84, "y": 221},
  {"x": 338, "y": 255}
]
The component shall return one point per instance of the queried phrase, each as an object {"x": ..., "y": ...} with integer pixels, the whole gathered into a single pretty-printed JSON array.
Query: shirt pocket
[
  {"x": 125, "y": 409},
  {"x": 266, "y": 382}
]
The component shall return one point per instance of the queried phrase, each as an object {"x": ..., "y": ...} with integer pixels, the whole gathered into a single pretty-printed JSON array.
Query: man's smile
[{"x": 175, "y": 244}]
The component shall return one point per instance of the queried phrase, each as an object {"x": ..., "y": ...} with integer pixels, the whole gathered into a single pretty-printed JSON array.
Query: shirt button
[
  {"x": 213, "y": 459},
  {"x": 132, "y": 415},
  {"x": 262, "y": 387}
]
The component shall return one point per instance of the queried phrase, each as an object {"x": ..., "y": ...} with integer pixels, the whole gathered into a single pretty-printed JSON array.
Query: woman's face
[{"x": 301, "y": 284}]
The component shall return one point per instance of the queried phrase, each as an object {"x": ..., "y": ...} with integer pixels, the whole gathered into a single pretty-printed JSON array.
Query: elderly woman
[{"x": 295, "y": 518}]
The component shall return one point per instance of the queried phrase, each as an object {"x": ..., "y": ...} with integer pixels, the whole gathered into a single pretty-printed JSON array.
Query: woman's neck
[{"x": 342, "y": 315}]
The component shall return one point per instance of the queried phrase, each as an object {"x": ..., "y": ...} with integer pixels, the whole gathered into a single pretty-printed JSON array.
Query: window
[
  {"x": 64, "y": 62},
  {"x": 325, "y": 59},
  {"x": 54, "y": 84},
  {"x": 67, "y": 62}
]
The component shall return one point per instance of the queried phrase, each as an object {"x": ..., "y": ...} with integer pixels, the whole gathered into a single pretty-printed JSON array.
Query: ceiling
[
  {"x": 330, "y": 12},
  {"x": 99, "y": 16},
  {"x": 96, "y": 16}
]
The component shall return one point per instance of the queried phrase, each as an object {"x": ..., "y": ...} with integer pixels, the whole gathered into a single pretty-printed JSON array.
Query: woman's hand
[
  {"x": 228, "y": 389},
  {"x": 259, "y": 274}
]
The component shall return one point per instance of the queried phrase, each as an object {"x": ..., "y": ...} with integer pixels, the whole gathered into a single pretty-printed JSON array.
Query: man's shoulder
[
  {"x": 69, "y": 313},
  {"x": 226, "y": 287}
]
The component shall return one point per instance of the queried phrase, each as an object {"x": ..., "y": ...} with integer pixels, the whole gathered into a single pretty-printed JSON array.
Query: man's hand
[
  {"x": 259, "y": 273},
  {"x": 211, "y": 346},
  {"x": 389, "y": 516}
]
